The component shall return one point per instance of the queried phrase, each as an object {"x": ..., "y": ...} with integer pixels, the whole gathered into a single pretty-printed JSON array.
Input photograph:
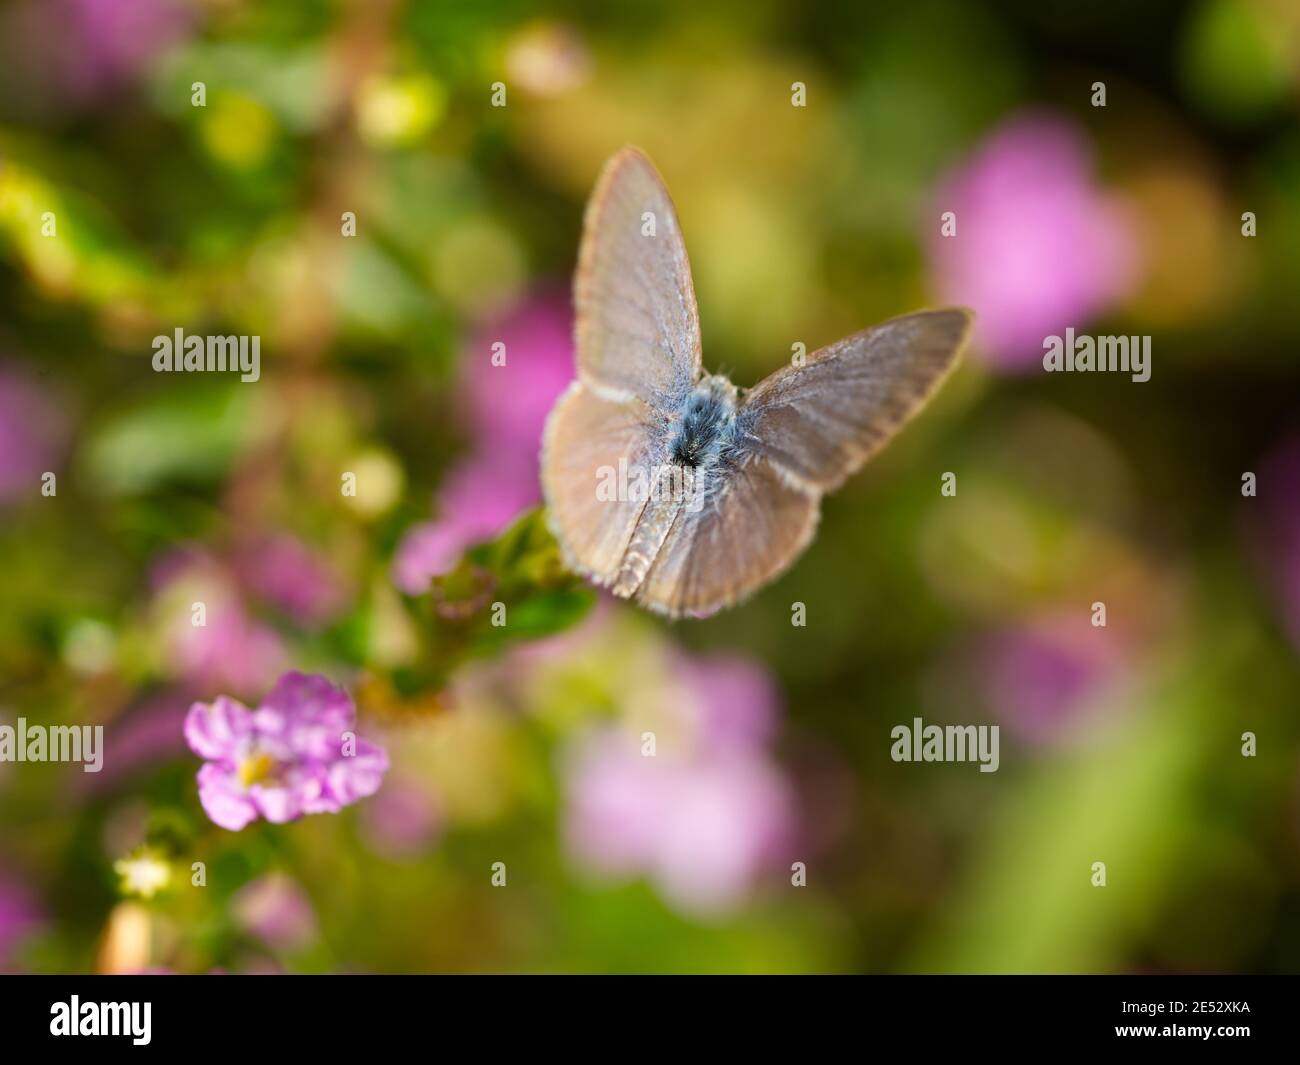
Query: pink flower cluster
[
  {"x": 703, "y": 823},
  {"x": 295, "y": 754}
]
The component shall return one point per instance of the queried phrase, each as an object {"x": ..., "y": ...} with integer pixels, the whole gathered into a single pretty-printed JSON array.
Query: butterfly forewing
[
  {"x": 638, "y": 330},
  {"x": 819, "y": 422}
]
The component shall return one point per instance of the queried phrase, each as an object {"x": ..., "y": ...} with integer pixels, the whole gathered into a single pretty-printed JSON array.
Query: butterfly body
[
  {"x": 706, "y": 424},
  {"x": 652, "y": 529},
  {"x": 717, "y": 491}
]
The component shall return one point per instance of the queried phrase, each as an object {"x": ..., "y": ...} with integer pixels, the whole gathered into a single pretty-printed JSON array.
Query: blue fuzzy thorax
[{"x": 705, "y": 436}]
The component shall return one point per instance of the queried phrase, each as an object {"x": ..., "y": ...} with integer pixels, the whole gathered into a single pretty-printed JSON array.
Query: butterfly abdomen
[{"x": 652, "y": 530}]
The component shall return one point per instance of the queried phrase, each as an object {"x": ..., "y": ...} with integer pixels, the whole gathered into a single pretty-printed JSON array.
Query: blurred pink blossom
[
  {"x": 1039, "y": 246},
  {"x": 702, "y": 829},
  {"x": 276, "y": 910},
  {"x": 506, "y": 411},
  {"x": 479, "y": 499},
  {"x": 426, "y": 551},
  {"x": 508, "y": 404},
  {"x": 230, "y": 649},
  {"x": 739, "y": 702},
  {"x": 402, "y": 821},
  {"x": 149, "y": 734},
  {"x": 703, "y": 819},
  {"x": 31, "y": 435},
  {"x": 73, "y": 53},
  {"x": 1039, "y": 677},
  {"x": 284, "y": 571}
]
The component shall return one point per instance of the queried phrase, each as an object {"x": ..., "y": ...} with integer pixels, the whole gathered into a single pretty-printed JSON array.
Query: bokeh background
[{"x": 522, "y": 744}]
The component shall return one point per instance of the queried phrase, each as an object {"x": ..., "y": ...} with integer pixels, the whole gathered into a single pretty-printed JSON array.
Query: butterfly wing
[
  {"x": 638, "y": 329},
  {"x": 801, "y": 432},
  {"x": 819, "y": 422},
  {"x": 587, "y": 436},
  {"x": 754, "y": 525},
  {"x": 638, "y": 352}
]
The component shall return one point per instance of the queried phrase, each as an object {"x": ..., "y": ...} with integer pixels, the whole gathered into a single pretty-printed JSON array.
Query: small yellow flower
[{"x": 256, "y": 769}]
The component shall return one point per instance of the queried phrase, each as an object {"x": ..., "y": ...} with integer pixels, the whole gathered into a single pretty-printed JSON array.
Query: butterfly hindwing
[
  {"x": 586, "y": 437},
  {"x": 755, "y": 524}
]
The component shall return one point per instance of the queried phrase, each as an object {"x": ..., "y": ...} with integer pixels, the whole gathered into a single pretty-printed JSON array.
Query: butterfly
[{"x": 675, "y": 487}]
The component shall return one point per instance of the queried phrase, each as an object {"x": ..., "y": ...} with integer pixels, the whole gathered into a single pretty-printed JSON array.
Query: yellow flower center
[{"x": 255, "y": 768}]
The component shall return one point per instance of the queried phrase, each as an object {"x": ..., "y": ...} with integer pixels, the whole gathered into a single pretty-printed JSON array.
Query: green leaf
[
  {"x": 522, "y": 571},
  {"x": 187, "y": 433}
]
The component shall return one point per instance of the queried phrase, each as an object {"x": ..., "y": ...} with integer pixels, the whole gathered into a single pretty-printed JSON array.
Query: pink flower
[
  {"x": 508, "y": 404},
  {"x": 403, "y": 821},
  {"x": 231, "y": 647},
  {"x": 284, "y": 571},
  {"x": 483, "y": 494},
  {"x": 427, "y": 550},
  {"x": 702, "y": 829},
  {"x": 1039, "y": 678},
  {"x": 210, "y": 637},
  {"x": 276, "y": 910},
  {"x": 149, "y": 734},
  {"x": 295, "y": 754},
  {"x": 507, "y": 407},
  {"x": 1038, "y": 246},
  {"x": 705, "y": 815},
  {"x": 479, "y": 499},
  {"x": 75, "y": 53},
  {"x": 739, "y": 703}
]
